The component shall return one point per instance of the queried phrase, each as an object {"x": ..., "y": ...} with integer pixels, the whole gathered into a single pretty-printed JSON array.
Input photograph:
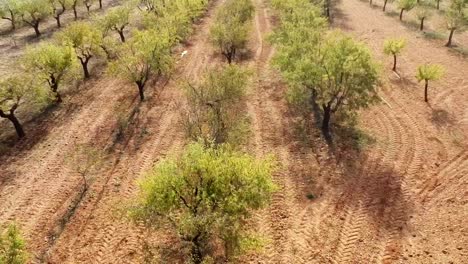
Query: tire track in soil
[
  {"x": 115, "y": 241},
  {"x": 41, "y": 188}
]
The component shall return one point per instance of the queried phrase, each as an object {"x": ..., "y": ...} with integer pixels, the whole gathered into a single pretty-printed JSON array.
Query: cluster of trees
[
  {"x": 207, "y": 194},
  {"x": 231, "y": 28},
  {"x": 455, "y": 15},
  {"x": 146, "y": 55},
  {"x": 34, "y": 12},
  {"x": 12, "y": 246},
  {"x": 327, "y": 70},
  {"x": 425, "y": 72}
]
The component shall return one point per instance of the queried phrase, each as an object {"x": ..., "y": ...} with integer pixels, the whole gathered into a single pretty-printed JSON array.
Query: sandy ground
[{"x": 402, "y": 199}]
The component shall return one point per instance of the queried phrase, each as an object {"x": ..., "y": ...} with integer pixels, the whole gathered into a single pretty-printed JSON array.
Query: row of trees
[
  {"x": 34, "y": 12},
  {"x": 455, "y": 15},
  {"x": 327, "y": 70},
  {"x": 207, "y": 194},
  {"x": 144, "y": 56}
]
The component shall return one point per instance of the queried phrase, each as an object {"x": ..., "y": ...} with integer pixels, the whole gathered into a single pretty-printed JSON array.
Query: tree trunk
[
  {"x": 425, "y": 91},
  {"x": 196, "y": 254},
  {"x": 88, "y": 8},
  {"x": 59, "y": 24},
  {"x": 438, "y": 4},
  {"x": 100, "y": 4},
  {"x": 12, "y": 20},
  {"x": 141, "y": 90},
  {"x": 422, "y": 24},
  {"x": 401, "y": 14},
  {"x": 84, "y": 64},
  {"x": 326, "y": 118},
  {"x": 370, "y": 2},
  {"x": 384, "y": 5},
  {"x": 36, "y": 29},
  {"x": 75, "y": 13},
  {"x": 19, "y": 129},
  {"x": 394, "y": 62},
  {"x": 54, "y": 87},
  {"x": 449, "y": 43},
  {"x": 121, "y": 34}
]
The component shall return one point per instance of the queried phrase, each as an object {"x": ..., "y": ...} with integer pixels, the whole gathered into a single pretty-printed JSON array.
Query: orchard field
[{"x": 233, "y": 131}]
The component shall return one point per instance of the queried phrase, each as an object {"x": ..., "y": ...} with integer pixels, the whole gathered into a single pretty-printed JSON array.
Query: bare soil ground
[{"x": 402, "y": 199}]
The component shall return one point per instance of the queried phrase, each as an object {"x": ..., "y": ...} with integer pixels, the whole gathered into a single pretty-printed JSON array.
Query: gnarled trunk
[
  {"x": 384, "y": 5},
  {"x": 394, "y": 62},
  {"x": 14, "y": 120},
  {"x": 421, "y": 27},
  {"x": 401, "y": 14},
  {"x": 84, "y": 63}
]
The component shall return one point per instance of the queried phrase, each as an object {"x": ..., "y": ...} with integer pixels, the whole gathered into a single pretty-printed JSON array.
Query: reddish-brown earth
[{"x": 402, "y": 199}]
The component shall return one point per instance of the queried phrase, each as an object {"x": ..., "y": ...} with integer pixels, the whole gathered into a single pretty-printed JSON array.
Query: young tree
[
  {"x": 394, "y": 47},
  {"x": 33, "y": 12},
  {"x": 50, "y": 63},
  {"x": 116, "y": 19},
  {"x": 58, "y": 9},
  {"x": 85, "y": 39},
  {"x": 14, "y": 91},
  {"x": 85, "y": 160},
  {"x": 204, "y": 195},
  {"x": 429, "y": 72},
  {"x": 405, "y": 5},
  {"x": 422, "y": 12},
  {"x": 146, "y": 54},
  {"x": 455, "y": 19},
  {"x": 12, "y": 246},
  {"x": 215, "y": 110},
  {"x": 9, "y": 10}
]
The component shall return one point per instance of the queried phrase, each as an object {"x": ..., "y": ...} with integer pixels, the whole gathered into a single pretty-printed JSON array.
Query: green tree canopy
[
  {"x": 16, "y": 90},
  {"x": 33, "y": 12},
  {"x": 429, "y": 72},
  {"x": 205, "y": 194},
  {"x": 85, "y": 39},
  {"x": 12, "y": 246},
  {"x": 116, "y": 19},
  {"x": 51, "y": 63},
  {"x": 230, "y": 31},
  {"x": 455, "y": 20},
  {"x": 9, "y": 10},
  {"x": 215, "y": 112},
  {"x": 394, "y": 47},
  {"x": 146, "y": 54}
]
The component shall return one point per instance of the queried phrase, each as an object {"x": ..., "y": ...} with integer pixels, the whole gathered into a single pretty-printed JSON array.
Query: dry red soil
[{"x": 402, "y": 199}]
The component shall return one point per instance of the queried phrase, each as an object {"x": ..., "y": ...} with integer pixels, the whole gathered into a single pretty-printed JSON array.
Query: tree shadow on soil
[{"x": 442, "y": 118}]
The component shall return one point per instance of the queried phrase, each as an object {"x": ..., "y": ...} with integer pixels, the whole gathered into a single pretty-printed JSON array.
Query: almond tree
[
  {"x": 205, "y": 195},
  {"x": 9, "y": 10},
  {"x": 214, "y": 113},
  {"x": 230, "y": 31},
  {"x": 85, "y": 39},
  {"x": 50, "y": 63},
  {"x": 116, "y": 19},
  {"x": 15, "y": 90},
  {"x": 405, "y": 5},
  {"x": 429, "y": 72},
  {"x": 88, "y": 4},
  {"x": 422, "y": 12},
  {"x": 455, "y": 20},
  {"x": 147, "y": 54},
  {"x": 58, "y": 9},
  {"x": 33, "y": 12},
  {"x": 394, "y": 47}
]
